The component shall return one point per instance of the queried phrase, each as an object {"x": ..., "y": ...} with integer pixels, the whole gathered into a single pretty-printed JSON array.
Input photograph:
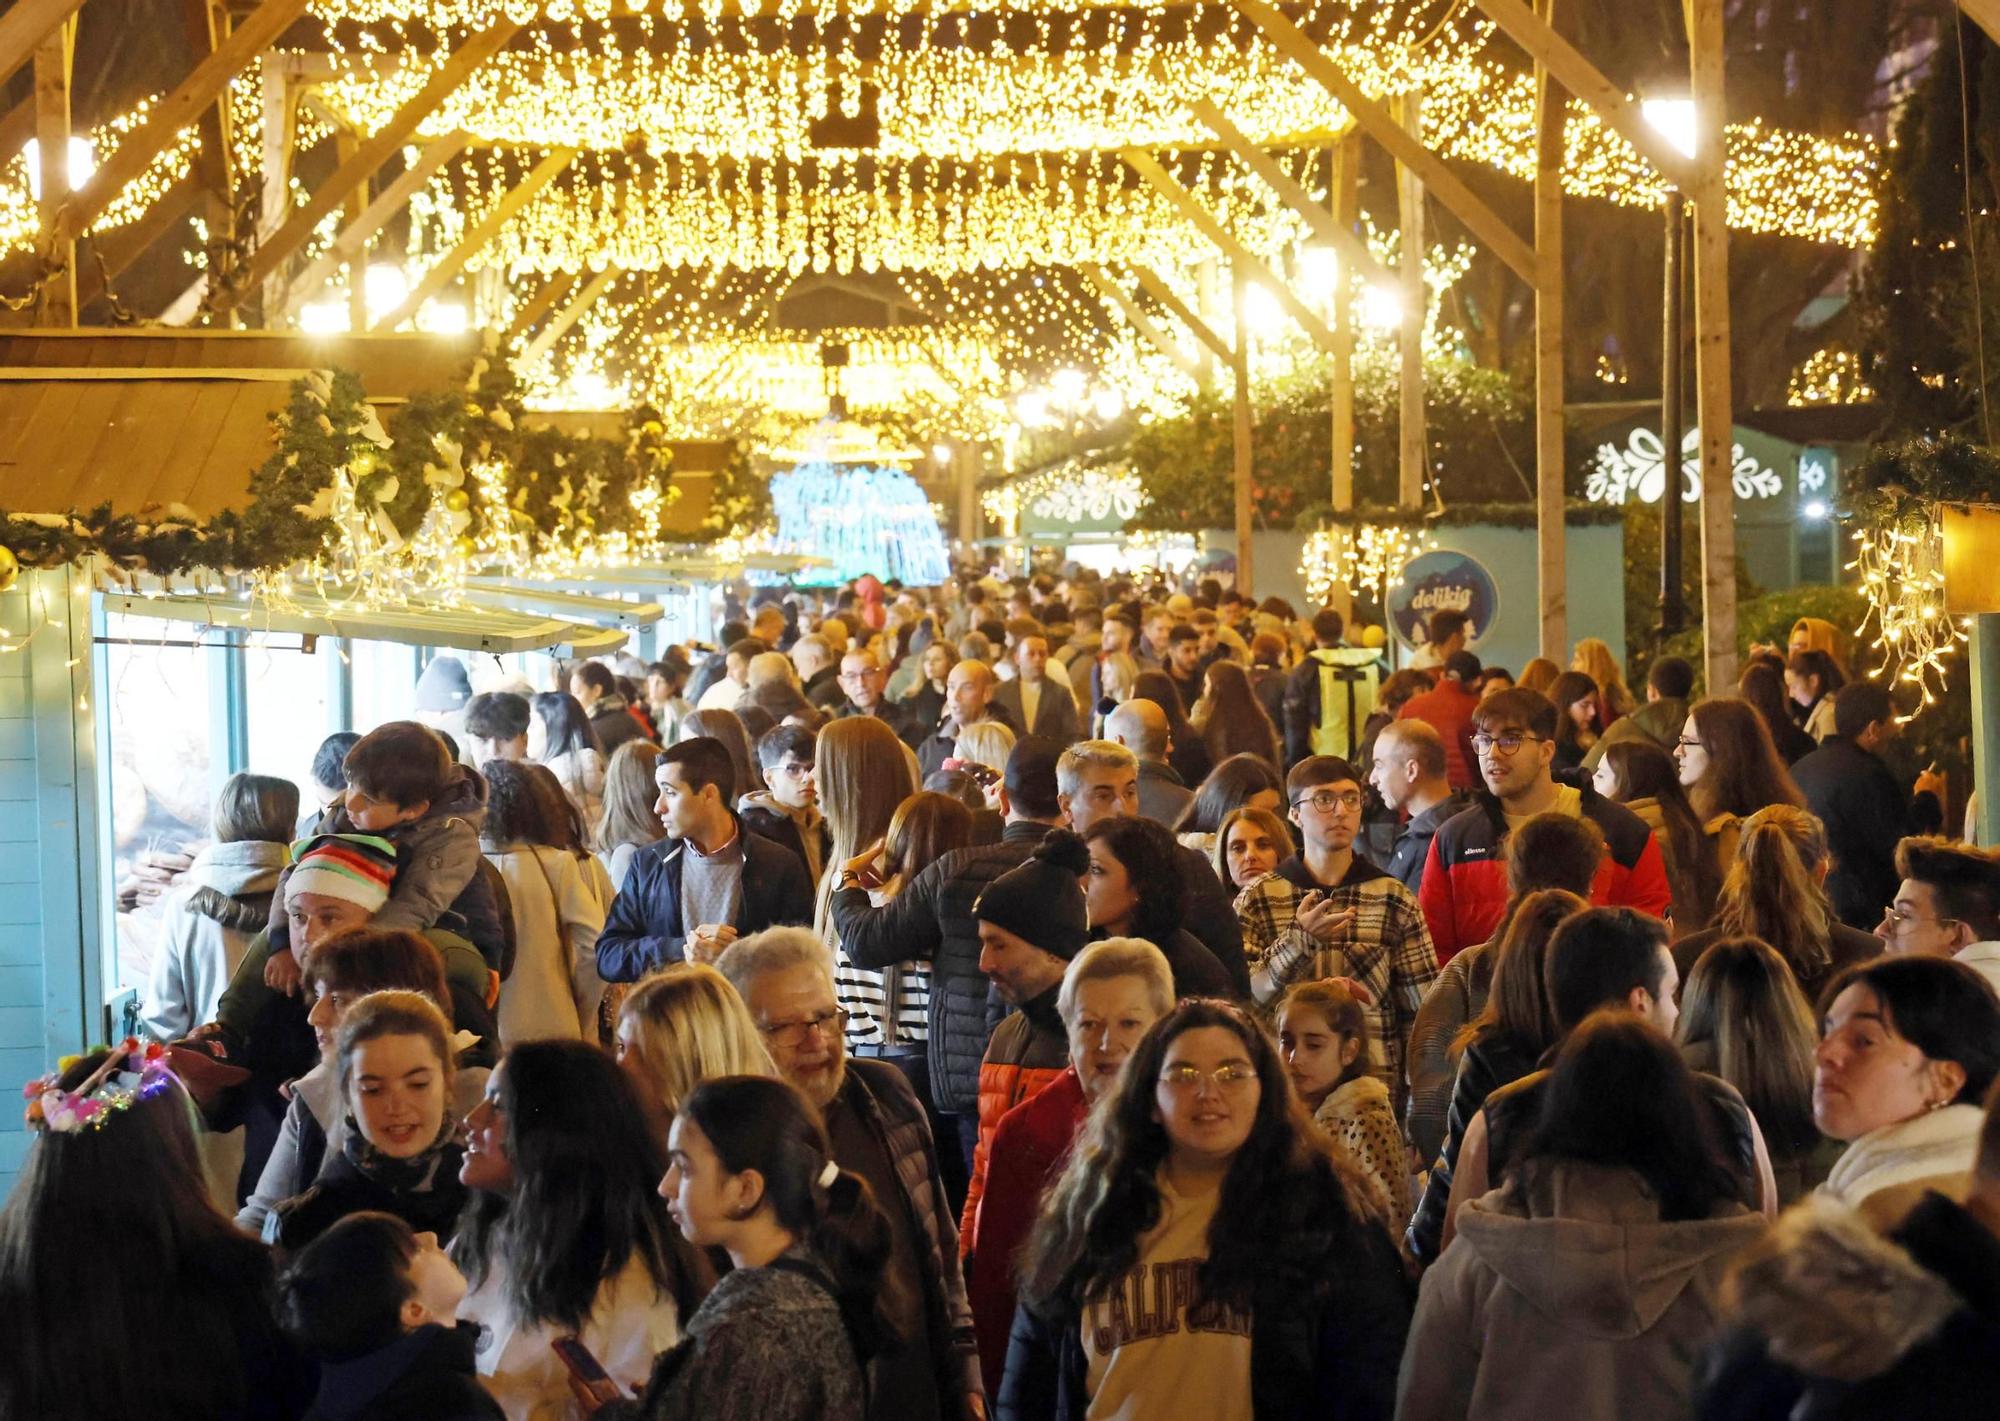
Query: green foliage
[
  {"x": 1931, "y": 329},
  {"x": 1903, "y": 481},
  {"x": 1642, "y": 584},
  {"x": 1481, "y": 430},
  {"x": 740, "y": 500},
  {"x": 1766, "y": 620}
]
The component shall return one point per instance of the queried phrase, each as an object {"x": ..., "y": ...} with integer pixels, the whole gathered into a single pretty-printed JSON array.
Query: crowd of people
[{"x": 1050, "y": 1000}]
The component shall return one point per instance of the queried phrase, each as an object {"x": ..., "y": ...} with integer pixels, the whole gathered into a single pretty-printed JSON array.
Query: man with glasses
[
  {"x": 1948, "y": 905},
  {"x": 878, "y": 1131},
  {"x": 1464, "y": 887},
  {"x": 788, "y": 812},
  {"x": 1328, "y": 912},
  {"x": 865, "y": 682}
]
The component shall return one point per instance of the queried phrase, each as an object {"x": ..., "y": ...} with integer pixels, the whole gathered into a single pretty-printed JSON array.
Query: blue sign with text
[{"x": 1437, "y": 581}]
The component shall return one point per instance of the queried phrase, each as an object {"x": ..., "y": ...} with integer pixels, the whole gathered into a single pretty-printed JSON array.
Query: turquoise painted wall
[
  {"x": 1594, "y": 561},
  {"x": 50, "y": 902}
]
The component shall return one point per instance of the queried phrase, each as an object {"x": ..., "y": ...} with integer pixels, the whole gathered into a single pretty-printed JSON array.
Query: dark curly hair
[
  {"x": 1152, "y": 862},
  {"x": 1292, "y": 1203}
]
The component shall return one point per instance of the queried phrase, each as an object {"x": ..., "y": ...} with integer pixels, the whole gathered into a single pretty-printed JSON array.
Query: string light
[
  {"x": 1829, "y": 377},
  {"x": 1368, "y": 560},
  {"x": 1901, "y": 569}
]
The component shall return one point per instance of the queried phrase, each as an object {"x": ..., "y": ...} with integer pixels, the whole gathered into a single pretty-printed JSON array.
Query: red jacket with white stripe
[{"x": 1464, "y": 889}]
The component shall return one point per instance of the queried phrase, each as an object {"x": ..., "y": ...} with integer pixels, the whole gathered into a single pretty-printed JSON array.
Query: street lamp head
[{"x": 1674, "y": 120}]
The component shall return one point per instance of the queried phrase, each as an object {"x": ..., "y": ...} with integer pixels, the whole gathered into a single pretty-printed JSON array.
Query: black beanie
[{"x": 1041, "y": 902}]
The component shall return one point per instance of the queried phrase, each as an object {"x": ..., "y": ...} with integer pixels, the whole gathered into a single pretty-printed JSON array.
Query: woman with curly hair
[
  {"x": 1207, "y": 1250},
  {"x": 1134, "y": 888}
]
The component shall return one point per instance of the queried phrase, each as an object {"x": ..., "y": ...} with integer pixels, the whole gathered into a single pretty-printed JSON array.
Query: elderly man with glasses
[
  {"x": 1329, "y": 912},
  {"x": 878, "y": 1130},
  {"x": 1464, "y": 887}
]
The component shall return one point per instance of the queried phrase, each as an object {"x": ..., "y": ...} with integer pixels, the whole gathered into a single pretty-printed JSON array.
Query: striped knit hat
[{"x": 356, "y": 867}]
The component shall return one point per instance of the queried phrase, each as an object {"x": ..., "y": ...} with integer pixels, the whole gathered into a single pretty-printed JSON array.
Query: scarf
[
  {"x": 1924, "y": 1147},
  {"x": 402, "y": 1175}
]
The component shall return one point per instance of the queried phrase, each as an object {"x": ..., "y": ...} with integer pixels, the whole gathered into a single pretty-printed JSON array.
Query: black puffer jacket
[{"x": 932, "y": 919}]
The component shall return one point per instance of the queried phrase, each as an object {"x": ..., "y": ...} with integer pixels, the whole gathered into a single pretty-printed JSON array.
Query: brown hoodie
[{"x": 1563, "y": 1294}]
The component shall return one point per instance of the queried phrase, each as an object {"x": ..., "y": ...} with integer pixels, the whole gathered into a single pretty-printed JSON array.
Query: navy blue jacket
[
  {"x": 644, "y": 930},
  {"x": 425, "y": 1375}
]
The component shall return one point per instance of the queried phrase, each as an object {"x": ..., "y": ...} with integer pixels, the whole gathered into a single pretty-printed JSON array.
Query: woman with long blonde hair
[
  {"x": 864, "y": 773},
  {"x": 1775, "y": 891},
  {"x": 1594, "y": 659},
  {"x": 1539, "y": 675},
  {"x": 681, "y": 1026}
]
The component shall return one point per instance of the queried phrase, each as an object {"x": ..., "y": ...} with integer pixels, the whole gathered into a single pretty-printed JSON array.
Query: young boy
[
  {"x": 403, "y": 786},
  {"x": 375, "y": 1304}
]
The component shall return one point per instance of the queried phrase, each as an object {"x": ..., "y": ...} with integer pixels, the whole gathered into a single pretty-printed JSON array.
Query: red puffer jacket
[
  {"x": 1028, "y": 1050},
  {"x": 1029, "y": 1150}
]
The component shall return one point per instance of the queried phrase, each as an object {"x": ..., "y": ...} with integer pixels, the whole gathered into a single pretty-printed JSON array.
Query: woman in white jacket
[
  {"x": 560, "y": 894},
  {"x": 560, "y": 736},
  {"x": 222, "y": 902}
]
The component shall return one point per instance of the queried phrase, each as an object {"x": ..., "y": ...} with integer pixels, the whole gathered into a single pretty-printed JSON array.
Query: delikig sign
[{"x": 1442, "y": 580}]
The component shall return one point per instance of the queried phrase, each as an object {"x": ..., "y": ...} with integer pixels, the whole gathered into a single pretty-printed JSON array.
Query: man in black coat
[{"x": 1857, "y": 798}]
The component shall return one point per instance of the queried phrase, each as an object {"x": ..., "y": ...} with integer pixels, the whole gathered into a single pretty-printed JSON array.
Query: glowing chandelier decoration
[
  {"x": 1368, "y": 559},
  {"x": 866, "y": 519}
]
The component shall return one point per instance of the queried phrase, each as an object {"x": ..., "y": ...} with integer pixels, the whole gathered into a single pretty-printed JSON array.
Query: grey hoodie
[{"x": 1564, "y": 1295}]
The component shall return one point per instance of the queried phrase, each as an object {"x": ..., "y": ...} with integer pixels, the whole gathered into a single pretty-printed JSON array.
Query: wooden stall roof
[
  {"x": 73, "y": 439},
  {"x": 389, "y": 366}
]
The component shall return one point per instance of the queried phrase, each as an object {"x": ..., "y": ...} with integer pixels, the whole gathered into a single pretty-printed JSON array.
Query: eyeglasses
[
  {"x": 1484, "y": 744},
  {"x": 1897, "y": 919},
  {"x": 1233, "y": 1076},
  {"x": 1686, "y": 744},
  {"x": 794, "y": 1033},
  {"x": 1328, "y": 800}
]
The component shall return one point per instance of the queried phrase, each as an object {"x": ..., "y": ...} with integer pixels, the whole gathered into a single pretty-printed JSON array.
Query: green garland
[
  {"x": 1486, "y": 515},
  {"x": 1903, "y": 481},
  {"x": 562, "y": 486}
]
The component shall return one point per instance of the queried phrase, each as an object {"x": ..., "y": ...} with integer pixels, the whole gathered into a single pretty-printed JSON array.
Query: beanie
[
  {"x": 1041, "y": 902},
  {"x": 357, "y": 868},
  {"x": 444, "y": 686}
]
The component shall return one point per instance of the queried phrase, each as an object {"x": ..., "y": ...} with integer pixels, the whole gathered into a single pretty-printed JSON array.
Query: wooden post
[
  {"x": 1343, "y": 191},
  {"x": 357, "y": 261},
  {"x": 57, "y": 307},
  {"x": 1711, "y": 346},
  {"x": 965, "y": 463},
  {"x": 1412, "y": 457},
  {"x": 280, "y": 108},
  {"x": 1240, "y": 369},
  {"x": 25, "y": 25},
  {"x": 537, "y": 306},
  {"x": 351, "y": 246},
  {"x": 1551, "y": 532},
  {"x": 545, "y": 340},
  {"x": 1985, "y": 14}
]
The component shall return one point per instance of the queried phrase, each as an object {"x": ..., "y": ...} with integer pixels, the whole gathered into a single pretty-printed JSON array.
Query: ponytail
[
  {"x": 1772, "y": 892},
  {"x": 755, "y": 1122}
]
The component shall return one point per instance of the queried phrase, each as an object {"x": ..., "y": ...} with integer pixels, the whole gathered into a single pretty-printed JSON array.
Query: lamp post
[{"x": 1675, "y": 121}]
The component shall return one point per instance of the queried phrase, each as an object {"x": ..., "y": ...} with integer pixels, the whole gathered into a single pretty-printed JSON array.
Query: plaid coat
[{"x": 1387, "y": 949}]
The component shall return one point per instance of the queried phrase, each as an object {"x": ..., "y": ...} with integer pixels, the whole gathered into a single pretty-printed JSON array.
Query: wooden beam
[
  {"x": 1164, "y": 294},
  {"x": 537, "y": 306},
  {"x": 1243, "y": 462},
  {"x": 120, "y": 247},
  {"x": 1714, "y": 414},
  {"x": 179, "y": 109},
  {"x": 207, "y": 24},
  {"x": 57, "y": 304},
  {"x": 1551, "y": 529},
  {"x": 1260, "y": 162},
  {"x": 1412, "y": 436},
  {"x": 1493, "y": 231},
  {"x": 446, "y": 268},
  {"x": 1141, "y": 322},
  {"x": 1583, "y": 79},
  {"x": 352, "y": 243},
  {"x": 545, "y": 339},
  {"x": 1251, "y": 265},
  {"x": 1345, "y": 197},
  {"x": 17, "y": 127},
  {"x": 276, "y": 249},
  {"x": 25, "y": 26},
  {"x": 1986, "y": 15}
]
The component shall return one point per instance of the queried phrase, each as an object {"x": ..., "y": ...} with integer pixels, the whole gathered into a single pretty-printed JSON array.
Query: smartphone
[{"x": 588, "y": 1379}]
